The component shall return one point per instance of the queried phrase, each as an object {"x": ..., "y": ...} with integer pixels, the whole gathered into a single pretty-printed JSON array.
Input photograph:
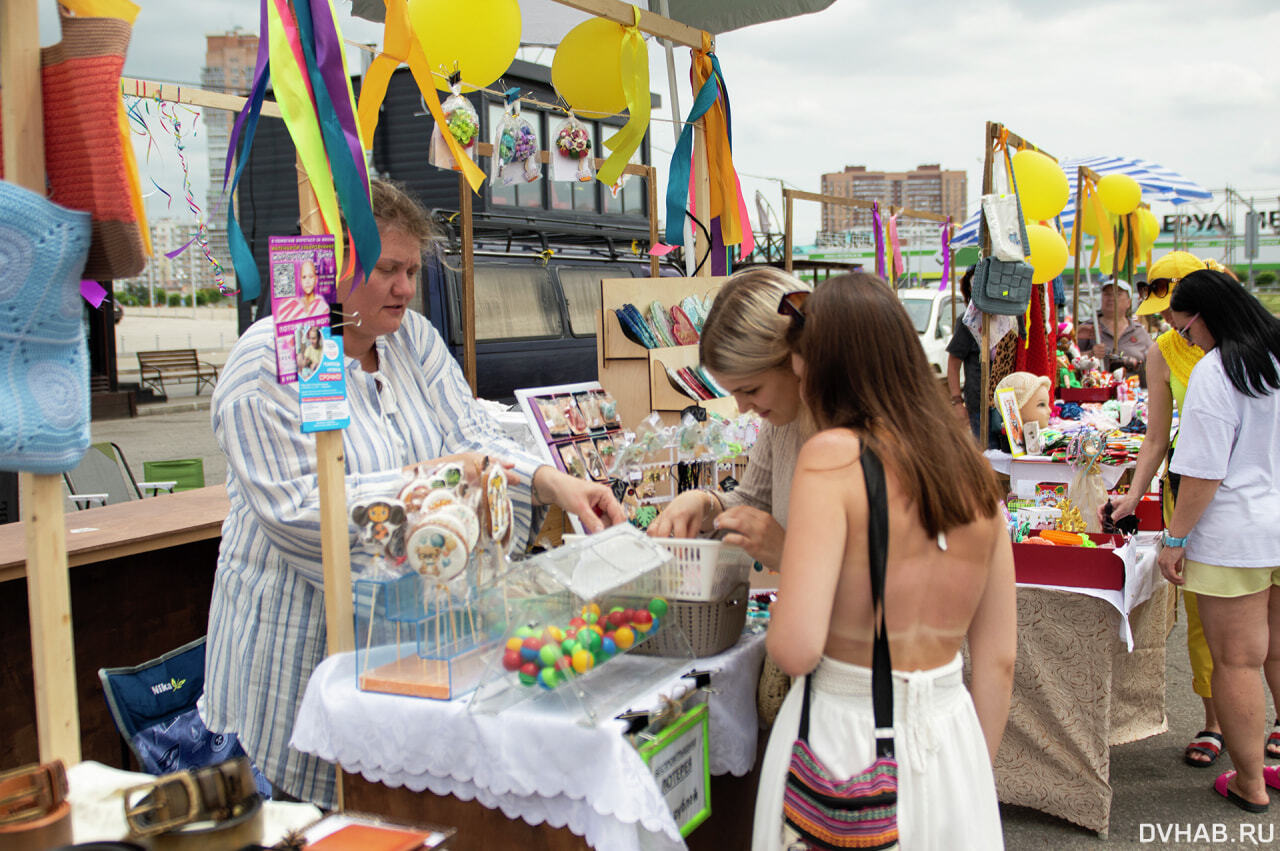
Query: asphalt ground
[{"x": 1158, "y": 801}]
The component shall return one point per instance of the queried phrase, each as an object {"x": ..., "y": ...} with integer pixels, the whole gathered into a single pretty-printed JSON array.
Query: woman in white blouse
[{"x": 409, "y": 404}]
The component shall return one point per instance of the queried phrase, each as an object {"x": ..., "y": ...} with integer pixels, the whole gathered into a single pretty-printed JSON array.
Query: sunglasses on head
[
  {"x": 791, "y": 305},
  {"x": 1158, "y": 288}
]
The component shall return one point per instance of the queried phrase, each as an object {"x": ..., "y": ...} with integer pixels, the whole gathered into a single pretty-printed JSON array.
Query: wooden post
[
  {"x": 651, "y": 184},
  {"x": 468, "y": 284},
  {"x": 48, "y": 587},
  {"x": 1077, "y": 235},
  {"x": 984, "y": 353},
  {"x": 332, "y": 483},
  {"x": 788, "y": 239}
]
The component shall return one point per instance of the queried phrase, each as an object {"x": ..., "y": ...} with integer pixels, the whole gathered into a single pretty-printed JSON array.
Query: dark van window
[
  {"x": 582, "y": 292},
  {"x": 515, "y": 302}
]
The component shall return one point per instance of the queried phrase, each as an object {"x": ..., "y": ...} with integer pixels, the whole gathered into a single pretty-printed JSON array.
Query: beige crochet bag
[{"x": 771, "y": 691}]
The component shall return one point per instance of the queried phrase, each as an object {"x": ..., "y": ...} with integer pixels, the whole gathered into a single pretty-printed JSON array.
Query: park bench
[{"x": 175, "y": 365}]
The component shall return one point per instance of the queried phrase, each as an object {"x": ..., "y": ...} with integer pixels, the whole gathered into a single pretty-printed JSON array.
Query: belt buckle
[
  {"x": 134, "y": 813},
  {"x": 43, "y": 781}
]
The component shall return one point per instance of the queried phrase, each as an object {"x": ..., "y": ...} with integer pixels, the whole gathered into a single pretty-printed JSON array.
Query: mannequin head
[{"x": 1032, "y": 393}]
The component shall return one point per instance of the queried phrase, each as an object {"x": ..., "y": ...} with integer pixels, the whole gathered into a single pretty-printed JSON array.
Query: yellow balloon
[
  {"x": 1042, "y": 187},
  {"x": 587, "y": 68},
  {"x": 1120, "y": 193},
  {"x": 481, "y": 36},
  {"x": 1048, "y": 253},
  {"x": 1148, "y": 229}
]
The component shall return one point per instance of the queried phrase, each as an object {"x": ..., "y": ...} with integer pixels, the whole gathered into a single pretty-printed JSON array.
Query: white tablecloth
[
  {"x": 531, "y": 762},
  {"x": 1141, "y": 578},
  {"x": 1025, "y": 471}
]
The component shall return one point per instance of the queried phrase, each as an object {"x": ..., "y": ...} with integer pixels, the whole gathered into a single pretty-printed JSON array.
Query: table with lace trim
[{"x": 508, "y": 780}]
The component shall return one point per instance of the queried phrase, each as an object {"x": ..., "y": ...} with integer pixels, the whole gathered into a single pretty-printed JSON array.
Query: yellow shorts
[{"x": 1214, "y": 580}]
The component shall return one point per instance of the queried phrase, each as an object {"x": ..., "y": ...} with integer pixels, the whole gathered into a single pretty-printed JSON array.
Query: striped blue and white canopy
[{"x": 1158, "y": 184}]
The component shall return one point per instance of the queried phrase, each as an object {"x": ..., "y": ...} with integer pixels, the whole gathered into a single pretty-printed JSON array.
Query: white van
[{"x": 930, "y": 312}]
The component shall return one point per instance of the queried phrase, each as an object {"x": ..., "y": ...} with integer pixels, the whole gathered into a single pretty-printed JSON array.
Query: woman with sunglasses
[
  {"x": 1223, "y": 541},
  {"x": 948, "y": 578},
  {"x": 744, "y": 347},
  {"x": 1169, "y": 363}
]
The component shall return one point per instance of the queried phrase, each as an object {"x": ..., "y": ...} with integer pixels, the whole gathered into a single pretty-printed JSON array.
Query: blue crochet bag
[{"x": 44, "y": 359}]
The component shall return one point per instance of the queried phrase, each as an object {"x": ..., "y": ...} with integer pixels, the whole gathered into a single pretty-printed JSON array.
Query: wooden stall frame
[
  {"x": 996, "y": 133},
  {"x": 48, "y": 586},
  {"x": 790, "y": 196}
]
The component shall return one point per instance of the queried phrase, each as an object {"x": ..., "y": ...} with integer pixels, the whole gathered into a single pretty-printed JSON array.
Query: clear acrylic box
[
  {"x": 574, "y": 616},
  {"x": 422, "y": 641}
]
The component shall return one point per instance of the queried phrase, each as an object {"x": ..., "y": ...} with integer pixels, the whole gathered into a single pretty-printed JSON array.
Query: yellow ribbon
[
  {"x": 127, "y": 12},
  {"x": 401, "y": 44},
  {"x": 635, "y": 89},
  {"x": 724, "y": 185}
]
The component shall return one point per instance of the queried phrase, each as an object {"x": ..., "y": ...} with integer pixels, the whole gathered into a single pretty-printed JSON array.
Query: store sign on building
[{"x": 1212, "y": 222}]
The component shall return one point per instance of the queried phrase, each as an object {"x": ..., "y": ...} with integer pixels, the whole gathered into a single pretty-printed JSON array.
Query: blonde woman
[{"x": 744, "y": 347}]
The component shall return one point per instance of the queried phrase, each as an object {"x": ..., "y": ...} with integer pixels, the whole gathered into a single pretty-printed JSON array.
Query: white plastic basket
[{"x": 700, "y": 570}]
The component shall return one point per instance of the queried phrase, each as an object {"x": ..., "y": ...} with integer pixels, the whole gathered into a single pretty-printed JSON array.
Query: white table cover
[
  {"x": 1029, "y": 469},
  {"x": 533, "y": 763},
  {"x": 1141, "y": 578}
]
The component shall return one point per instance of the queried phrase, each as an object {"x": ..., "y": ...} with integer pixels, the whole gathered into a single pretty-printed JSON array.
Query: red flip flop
[
  {"x": 1272, "y": 747},
  {"x": 1220, "y": 786},
  {"x": 1271, "y": 776}
]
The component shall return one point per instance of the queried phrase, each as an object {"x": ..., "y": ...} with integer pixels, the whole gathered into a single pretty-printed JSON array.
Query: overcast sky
[{"x": 1189, "y": 85}]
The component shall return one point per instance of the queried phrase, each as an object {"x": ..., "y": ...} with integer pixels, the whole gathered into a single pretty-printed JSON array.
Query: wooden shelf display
[{"x": 637, "y": 376}]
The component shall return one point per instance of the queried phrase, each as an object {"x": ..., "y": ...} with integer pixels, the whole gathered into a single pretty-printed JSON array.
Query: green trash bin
[{"x": 187, "y": 472}]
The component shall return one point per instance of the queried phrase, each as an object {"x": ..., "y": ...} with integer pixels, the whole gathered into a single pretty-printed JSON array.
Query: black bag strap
[{"x": 881, "y": 663}]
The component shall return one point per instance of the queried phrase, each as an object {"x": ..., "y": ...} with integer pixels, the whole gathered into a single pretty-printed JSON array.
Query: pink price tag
[{"x": 659, "y": 249}]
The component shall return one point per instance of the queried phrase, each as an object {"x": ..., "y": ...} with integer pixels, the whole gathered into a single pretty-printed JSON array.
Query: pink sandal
[
  {"x": 1272, "y": 747},
  {"x": 1220, "y": 786}
]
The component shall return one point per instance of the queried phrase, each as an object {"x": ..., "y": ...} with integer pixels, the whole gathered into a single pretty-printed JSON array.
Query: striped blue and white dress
[{"x": 266, "y": 618}]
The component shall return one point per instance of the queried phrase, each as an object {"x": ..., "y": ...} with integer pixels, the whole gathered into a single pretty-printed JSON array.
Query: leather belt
[
  {"x": 215, "y": 793},
  {"x": 31, "y": 792}
]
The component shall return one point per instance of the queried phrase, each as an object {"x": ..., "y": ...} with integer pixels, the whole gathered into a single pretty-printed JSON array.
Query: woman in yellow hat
[{"x": 1169, "y": 363}]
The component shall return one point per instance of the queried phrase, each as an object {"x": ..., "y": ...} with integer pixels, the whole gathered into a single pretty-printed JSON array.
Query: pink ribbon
[{"x": 93, "y": 292}]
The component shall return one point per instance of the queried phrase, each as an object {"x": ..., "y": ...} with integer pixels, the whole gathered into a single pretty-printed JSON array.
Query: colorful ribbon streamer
[
  {"x": 896, "y": 246},
  {"x": 946, "y": 255},
  {"x": 306, "y": 59},
  {"x": 877, "y": 226},
  {"x": 635, "y": 90},
  {"x": 402, "y": 45}
]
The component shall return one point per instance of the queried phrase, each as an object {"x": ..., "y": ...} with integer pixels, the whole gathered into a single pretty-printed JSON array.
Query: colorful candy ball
[
  {"x": 548, "y": 678},
  {"x": 607, "y": 646},
  {"x": 624, "y": 637},
  {"x": 569, "y": 645},
  {"x": 658, "y": 607},
  {"x": 591, "y": 609},
  {"x": 528, "y": 674},
  {"x": 557, "y": 634},
  {"x": 642, "y": 621},
  {"x": 525, "y": 632},
  {"x": 549, "y": 653},
  {"x": 512, "y": 660},
  {"x": 583, "y": 661},
  {"x": 529, "y": 649},
  {"x": 515, "y": 643}
]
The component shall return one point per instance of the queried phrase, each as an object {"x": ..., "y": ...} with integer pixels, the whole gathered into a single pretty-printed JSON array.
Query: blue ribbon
[
  {"x": 682, "y": 159},
  {"x": 246, "y": 124},
  {"x": 351, "y": 187}
]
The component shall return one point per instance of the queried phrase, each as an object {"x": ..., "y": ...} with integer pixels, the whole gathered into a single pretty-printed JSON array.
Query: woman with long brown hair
[{"x": 949, "y": 577}]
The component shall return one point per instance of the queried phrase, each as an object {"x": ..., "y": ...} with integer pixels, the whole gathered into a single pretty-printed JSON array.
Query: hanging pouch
[
  {"x": 44, "y": 361},
  {"x": 515, "y": 149},
  {"x": 462, "y": 122},
  {"x": 88, "y": 153},
  {"x": 1002, "y": 281}
]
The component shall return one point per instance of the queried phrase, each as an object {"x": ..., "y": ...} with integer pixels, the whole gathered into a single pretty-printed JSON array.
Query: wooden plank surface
[{"x": 137, "y": 526}]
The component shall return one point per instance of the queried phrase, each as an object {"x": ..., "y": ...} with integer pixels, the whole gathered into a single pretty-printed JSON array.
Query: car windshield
[{"x": 918, "y": 309}]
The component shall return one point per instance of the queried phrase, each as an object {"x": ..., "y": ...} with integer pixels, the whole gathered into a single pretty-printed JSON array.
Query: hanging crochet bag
[{"x": 44, "y": 360}]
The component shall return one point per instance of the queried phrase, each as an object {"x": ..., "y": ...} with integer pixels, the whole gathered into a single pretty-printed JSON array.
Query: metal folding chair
[{"x": 104, "y": 470}]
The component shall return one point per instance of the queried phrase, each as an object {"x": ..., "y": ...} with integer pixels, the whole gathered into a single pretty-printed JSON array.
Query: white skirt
[{"x": 946, "y": 791}]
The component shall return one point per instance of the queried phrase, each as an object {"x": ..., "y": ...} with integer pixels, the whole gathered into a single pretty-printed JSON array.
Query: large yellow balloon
[
  {"x": 1042, "y": 187},
  {"x": 1148, "y": 229},
  {"x": 587, "y": 68},
  {"x": 1120, "y": 193},
  {"x": 481, "y": 36},
  {"x": 1048, "y": 253}
]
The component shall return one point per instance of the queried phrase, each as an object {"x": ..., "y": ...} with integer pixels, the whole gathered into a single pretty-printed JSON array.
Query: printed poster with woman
[{"x": 303, "y": 285}]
